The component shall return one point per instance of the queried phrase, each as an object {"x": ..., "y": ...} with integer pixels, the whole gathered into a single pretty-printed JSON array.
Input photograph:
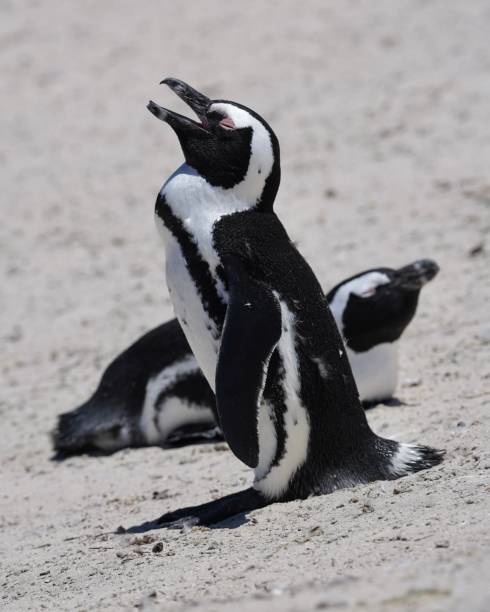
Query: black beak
[
  {"x": 414, "y": 276},
  {"x": 198, "y": 102}
]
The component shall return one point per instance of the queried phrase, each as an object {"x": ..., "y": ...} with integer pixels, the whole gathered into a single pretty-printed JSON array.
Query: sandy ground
[{"x": 382, "y": 111}]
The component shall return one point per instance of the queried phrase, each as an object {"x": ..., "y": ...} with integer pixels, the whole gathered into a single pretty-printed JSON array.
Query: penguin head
[
  {"x": 376, "y": 306},
  {"x": 230, "y": 146}
]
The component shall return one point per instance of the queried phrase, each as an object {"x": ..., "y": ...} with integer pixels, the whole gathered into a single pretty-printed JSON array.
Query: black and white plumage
[
  {"x": 154, "y": 393},
  {"x": 257, "y": 322},
  {"x": 372, "y": 310}
]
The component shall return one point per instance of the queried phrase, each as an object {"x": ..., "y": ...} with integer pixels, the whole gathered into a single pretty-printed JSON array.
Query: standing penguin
[
  {"x": 256, "y": 319},
  {"x": 154, "y": 393}
]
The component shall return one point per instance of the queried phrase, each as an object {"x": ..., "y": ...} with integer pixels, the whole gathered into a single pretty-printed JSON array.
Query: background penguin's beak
[
  {"x": 416, "y": 275},
  {"x": 198, "y": 102}
]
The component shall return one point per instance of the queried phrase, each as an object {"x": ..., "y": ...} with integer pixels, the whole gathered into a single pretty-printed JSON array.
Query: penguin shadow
[
  {"x": 234, "y": 522},
  {"x": 392, "y": 402}
]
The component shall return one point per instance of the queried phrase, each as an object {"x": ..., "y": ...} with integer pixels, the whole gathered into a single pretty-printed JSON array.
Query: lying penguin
[
  {"x": 258, "y": 323},
  {"x": 154, "y": 393}
]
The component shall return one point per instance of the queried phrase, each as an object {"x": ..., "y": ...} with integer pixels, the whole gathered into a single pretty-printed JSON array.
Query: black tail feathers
[{"x": 410, "y": 458}]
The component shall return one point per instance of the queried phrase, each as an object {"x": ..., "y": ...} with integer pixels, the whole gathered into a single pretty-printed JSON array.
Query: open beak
[
  {"x": 198, "y": 102},
  {"x": 416, "y": 275}
]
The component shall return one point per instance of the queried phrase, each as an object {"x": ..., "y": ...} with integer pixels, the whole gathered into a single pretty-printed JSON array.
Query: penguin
[
  {"x": 372, "y": 310},
  {"x": 255, "y": 317},
  {"x": 154, "y": 393}
]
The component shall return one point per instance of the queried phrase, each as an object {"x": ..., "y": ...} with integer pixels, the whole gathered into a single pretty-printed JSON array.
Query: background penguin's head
[
  {"x": 230, "y": 146},
  {"x": 377, "y": 305}
]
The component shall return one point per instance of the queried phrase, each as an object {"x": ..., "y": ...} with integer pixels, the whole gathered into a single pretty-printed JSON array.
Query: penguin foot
[
  {"x": 214, "y": 511},
  {"x": 206, "y": 514}
]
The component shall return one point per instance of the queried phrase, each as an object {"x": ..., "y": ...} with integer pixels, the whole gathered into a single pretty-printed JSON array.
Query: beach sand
[{"x": 382, "y": 111}]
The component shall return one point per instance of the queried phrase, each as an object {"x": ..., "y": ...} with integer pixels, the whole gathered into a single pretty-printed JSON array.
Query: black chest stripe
[{"x": 197, "y": 266}]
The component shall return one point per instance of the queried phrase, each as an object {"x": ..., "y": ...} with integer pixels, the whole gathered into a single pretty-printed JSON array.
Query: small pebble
[
  {"x": 317, "y": 530},
  {"x": 157, "y": 548},
  {"x": 476, "y": 250},
  {"x": 146, "y": 539}
]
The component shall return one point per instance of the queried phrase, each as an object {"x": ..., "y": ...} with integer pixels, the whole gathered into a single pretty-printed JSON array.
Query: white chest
[
  {"x": 199, "y": 329},
  {"x": 196, "y": 206},
  {"x": 375, "y": 371}
]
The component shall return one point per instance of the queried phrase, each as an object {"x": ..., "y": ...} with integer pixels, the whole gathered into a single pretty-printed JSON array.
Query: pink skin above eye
[
  {"x": 368, "y": 292},
  {"x": 227, "y": 123}
]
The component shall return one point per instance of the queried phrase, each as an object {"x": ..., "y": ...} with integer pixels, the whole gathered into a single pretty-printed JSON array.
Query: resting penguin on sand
[
  {"x": 372, "y": 310},
  {"x": 257, "y": 321},
  {"x": 154, "y": 393}
]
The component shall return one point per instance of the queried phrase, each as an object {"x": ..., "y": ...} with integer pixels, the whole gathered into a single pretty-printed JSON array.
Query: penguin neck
[
  {"x": 194, "y": 200},
  {"x": 189, "y": 202}
]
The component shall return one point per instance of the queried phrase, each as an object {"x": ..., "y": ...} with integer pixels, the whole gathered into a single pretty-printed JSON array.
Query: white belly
[
  {"x": 196, "y": 324},
  {"x": 159, "y": 419},
  {"x": 375, "y": 371}
]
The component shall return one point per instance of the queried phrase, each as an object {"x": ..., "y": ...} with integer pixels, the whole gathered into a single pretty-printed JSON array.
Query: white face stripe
[
  {"x": 261, "y": 155},
  {"x": 358, "y": 286}
]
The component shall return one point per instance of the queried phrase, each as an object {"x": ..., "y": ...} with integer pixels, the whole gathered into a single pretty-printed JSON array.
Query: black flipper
[
  {"x": 206, "y": 514},
  {"x": 251, "y": 331}
]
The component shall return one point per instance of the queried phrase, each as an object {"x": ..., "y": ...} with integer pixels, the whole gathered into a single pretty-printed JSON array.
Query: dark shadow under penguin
[
  {"x": 257, "y": 321},
  {"x": 154, "y": 393}
]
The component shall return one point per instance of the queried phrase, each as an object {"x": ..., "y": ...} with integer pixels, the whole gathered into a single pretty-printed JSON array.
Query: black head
[
  {"x": 230, "y": 146},
  {"x": 377, "y": 305}
]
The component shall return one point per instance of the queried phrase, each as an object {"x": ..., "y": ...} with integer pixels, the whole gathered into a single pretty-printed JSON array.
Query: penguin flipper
[{"x": 251, "y": 331}]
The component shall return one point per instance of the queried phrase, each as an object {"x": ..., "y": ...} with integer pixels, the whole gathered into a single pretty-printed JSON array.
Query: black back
[
  {"x": 338, "y": 424},
  {"x": 125, "y": 379}
]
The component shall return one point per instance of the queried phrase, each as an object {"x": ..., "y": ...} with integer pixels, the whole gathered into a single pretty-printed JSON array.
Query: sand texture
[{"x": 382, "y": 110}]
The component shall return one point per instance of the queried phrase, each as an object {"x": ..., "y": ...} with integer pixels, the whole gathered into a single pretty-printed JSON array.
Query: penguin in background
[
  {"x": 257, "y": 322},
  {"x": 154, "y": 393},
  {"x": 372, "y": 310}
]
